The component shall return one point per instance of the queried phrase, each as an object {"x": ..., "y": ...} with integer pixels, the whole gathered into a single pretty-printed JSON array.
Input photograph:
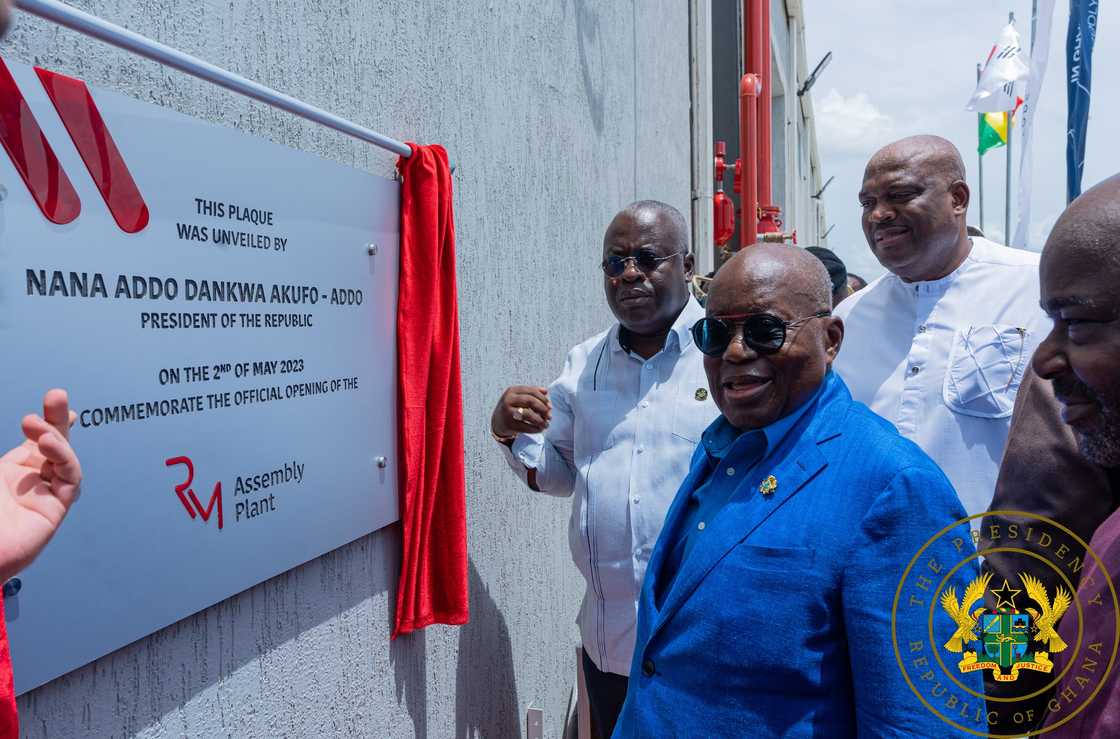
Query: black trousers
[{"x": 606, "y": 693}]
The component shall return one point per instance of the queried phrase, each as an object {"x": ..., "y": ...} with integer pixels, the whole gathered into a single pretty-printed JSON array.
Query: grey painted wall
[{"x": 557, "y": 114}]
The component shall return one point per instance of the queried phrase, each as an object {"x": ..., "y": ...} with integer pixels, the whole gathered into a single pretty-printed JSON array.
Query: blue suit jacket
[{"x": 779, "y": 621}]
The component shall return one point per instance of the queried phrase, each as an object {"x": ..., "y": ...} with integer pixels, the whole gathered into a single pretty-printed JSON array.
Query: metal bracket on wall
[
  {"x": 534, "y": 723},
  {"x": 110, "y": 33}
]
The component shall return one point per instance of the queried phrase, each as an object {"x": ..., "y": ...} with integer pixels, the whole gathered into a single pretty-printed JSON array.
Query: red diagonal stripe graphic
[
  {"x": 103, "y": 159},
  {"x": 33, "y": 156}
]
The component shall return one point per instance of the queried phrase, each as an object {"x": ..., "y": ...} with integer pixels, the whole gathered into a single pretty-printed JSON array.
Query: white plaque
[{"x": 246, "y": 328}]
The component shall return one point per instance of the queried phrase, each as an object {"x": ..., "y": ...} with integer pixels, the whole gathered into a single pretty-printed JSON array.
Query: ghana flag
[{"x": 993, "y": 131}]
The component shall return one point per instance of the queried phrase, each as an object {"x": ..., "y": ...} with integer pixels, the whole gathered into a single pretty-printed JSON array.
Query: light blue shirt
[
  {"x": 731, "y": 454},
  {"x": 621, "y": 438}
]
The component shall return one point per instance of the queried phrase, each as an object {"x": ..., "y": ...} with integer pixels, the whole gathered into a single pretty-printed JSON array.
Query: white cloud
[{"x": 852, "y": 125}]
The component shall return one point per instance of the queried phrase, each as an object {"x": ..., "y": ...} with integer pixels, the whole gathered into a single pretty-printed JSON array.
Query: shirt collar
[
  {"x": 680, "y": 335},
  {"x": 720, "y": 437},
  {"x": 940, "y": 285}
]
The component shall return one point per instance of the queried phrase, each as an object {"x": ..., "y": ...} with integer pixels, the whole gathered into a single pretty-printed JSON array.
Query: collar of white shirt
[
  {"x": 978, "y": 252},
  {"x": 680, "y": 335}
]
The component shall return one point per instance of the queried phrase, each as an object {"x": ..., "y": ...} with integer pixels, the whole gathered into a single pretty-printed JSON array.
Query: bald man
[
  {"x": 939, "y": 345},
  {"x": 767, "y": 605},
  {"x": 1080, "y": 358}
]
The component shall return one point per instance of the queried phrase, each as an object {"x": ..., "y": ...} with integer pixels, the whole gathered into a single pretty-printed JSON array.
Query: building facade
[{"x": 556, "y": 115}]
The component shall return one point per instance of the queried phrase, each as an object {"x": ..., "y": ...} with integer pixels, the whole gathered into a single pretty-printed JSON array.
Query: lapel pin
[
  {"x": 701, "y": 394},
  {"x": 768, "y": 486}
]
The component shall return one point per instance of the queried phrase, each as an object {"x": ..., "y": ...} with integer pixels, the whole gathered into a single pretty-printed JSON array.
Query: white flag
[
  {"x": 1007, "y": 64},
  {"x": 1040, "y": 52}
]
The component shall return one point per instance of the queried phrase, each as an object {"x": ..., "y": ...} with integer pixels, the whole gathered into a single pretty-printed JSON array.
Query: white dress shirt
[
  {"x": 943, "y": 359},
  {"x": 622, "y": 434}
]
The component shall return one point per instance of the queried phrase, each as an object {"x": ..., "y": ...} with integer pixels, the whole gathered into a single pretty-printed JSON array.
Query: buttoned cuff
[{"x": 526, "y": 450}]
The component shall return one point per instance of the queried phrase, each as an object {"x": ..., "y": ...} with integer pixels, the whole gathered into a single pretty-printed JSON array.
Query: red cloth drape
[
  {"x": 9, "y": 722},
  {"x": 433, "y": 505}
]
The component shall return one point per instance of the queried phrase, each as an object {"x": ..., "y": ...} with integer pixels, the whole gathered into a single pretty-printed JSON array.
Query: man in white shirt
[
  {"x": 618, "y": 429},
  {"x": 939, "y": 345}
]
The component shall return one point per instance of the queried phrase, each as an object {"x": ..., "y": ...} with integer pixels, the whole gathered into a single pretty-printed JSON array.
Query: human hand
[
  {"x": 39, "y": 480},
  {"x": 521, "y": 409}
]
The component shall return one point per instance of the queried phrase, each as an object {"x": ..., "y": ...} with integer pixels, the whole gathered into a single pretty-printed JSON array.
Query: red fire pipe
[
  {"x": 756, "y": 38},
  {"x": 749, "y": 156}
]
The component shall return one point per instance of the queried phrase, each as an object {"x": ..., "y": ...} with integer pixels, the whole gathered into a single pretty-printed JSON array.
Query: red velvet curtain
[
  {"x": 9, "y": 722},
  {"x": 433, "y": 581}
]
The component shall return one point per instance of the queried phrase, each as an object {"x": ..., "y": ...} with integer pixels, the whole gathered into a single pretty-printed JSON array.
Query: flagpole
[
  {"x": 1007, "y": 190},
  {"x": 979, "y": 123}
]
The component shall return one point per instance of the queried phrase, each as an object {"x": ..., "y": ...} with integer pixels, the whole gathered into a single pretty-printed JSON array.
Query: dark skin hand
[{"x": 522, "y": 409}]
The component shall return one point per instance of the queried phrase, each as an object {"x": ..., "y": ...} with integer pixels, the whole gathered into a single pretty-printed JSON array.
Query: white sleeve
[{"x": 550, "y": 453}]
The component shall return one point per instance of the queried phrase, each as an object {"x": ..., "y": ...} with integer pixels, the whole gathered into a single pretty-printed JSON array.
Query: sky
[{"x": 904, "y": 67}]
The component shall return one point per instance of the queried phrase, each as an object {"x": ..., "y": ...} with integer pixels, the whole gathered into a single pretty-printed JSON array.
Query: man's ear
[
  {"x": 834, "y": 337},
  {"x": 961, "y": 195},
  {"x": 689, "y": 265}
]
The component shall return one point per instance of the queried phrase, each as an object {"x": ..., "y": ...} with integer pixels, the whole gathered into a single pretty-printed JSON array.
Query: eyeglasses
[
  {"x": 643, "y": 259},
  {"x": 762, "y": 332}
]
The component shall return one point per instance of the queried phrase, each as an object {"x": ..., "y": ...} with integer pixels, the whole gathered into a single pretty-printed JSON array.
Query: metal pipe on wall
[
  {"x": 756, "y": 36},
  {"x": 749, "y": 89},
  {"x": 91, "y": 25}
]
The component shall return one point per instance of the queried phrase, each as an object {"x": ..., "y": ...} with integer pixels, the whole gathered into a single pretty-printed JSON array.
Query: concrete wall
[{"x": 556, "y": 114}]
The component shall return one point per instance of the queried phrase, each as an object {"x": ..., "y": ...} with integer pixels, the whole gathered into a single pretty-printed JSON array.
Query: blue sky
[{"x": 903, "y": 67}]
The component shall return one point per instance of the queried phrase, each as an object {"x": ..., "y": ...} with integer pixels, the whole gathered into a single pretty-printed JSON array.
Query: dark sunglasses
[
  {"x": 643, "y": 259},
  {"x": 762, "y": 332}
]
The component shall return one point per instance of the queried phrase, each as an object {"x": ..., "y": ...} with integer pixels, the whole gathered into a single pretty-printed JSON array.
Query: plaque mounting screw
[
  {"x": 382, "y": 462},
  {"x": 12, "y": 587},
  {"x": 372, "y": 249}
]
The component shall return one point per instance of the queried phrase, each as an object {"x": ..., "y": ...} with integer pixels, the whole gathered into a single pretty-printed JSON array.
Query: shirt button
[
  {"x": 644, "y": 404},
  {"x": 922, "y": 329},
  {"x": 647, "y": 668},
  {"x": 730, "y": 471},
  {"x": 648, "y": 366},
  {"x": 637, "y": 500},
  {"x": 641, "y": 449},
  {"x": 915, "y": 370},
  {"x": 700, "y": 526}
]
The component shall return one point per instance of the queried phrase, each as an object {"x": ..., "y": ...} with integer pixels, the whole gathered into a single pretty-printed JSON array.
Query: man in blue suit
[{"x": 767, "y": 606}]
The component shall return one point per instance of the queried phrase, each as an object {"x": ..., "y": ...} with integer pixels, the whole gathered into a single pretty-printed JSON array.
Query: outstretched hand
[{"x": 39, "y": 480}]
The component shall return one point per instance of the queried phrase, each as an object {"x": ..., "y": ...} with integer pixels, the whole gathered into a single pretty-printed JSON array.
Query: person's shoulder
[
  {"x": 871, "y": 295},
  {"x": 989, "y": 252},
  {"x": 590, "y": 345},
  {"x": 887, "y": 451}
]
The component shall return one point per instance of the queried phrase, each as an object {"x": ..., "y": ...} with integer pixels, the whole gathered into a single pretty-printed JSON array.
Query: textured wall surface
[{"x": 556, "y": 114}]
